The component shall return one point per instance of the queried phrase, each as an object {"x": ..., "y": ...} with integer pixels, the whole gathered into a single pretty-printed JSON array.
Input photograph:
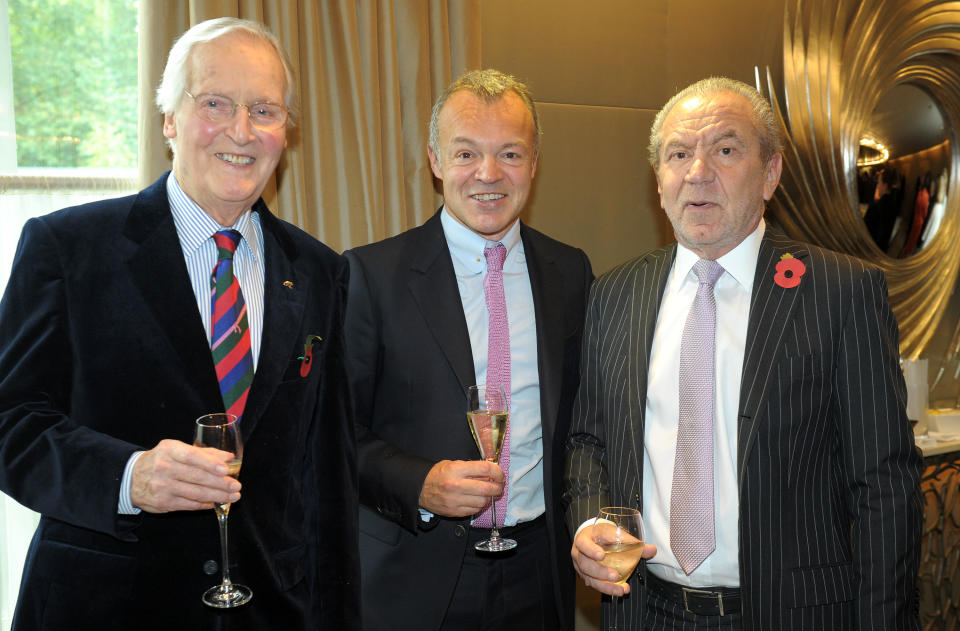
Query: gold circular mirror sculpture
[
  {"x": 902, "y": 170},
  {"x": 840, "y": 58}
]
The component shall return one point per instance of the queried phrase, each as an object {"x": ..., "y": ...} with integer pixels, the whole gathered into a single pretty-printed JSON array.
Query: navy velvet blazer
[{"x": 102, "y": 352}]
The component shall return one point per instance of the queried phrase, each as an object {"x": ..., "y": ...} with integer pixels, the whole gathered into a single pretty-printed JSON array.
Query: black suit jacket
[
  {"x": 411, "y": 362},
  {"x": 103, "y": 352},
  {"x": 830, "y": 510}
]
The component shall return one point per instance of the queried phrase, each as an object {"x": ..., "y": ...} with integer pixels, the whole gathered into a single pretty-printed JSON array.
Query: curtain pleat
[{"x": 355, "y": 169}]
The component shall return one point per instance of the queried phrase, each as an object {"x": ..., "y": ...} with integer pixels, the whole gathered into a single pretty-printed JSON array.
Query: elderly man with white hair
[{"x": 125, "y": 320}]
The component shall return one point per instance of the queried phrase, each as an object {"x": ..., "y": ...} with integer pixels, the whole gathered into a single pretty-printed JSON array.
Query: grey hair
[
  {"x": 764, "y": 121},
  {"x": 489, "y": 85},
  {"x": 174, "y": 81}
]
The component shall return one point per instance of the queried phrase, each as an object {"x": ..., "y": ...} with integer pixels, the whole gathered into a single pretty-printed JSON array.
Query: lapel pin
[
  {"x": 306, "y": 360},
  {"x": 288, "y": 284},
  {"x": 789, "y": 271}
]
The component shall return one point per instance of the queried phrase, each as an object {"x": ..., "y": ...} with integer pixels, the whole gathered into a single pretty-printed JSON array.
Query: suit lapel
[
  {"x": 285, "y": 290},
  {"x": 646, "y": 294},
  {"x": 545, "y": 283},
  {"x": 771, "y": 310},
  {"x": 158, "y": 270},
  {"x": 433, "y": 284}
]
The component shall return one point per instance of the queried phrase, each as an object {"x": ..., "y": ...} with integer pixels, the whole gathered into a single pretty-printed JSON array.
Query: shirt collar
[
  {"x": 740, "y": 262},
  {"x": 466, "y": 246},
  {"x": 195, "y": 227}
]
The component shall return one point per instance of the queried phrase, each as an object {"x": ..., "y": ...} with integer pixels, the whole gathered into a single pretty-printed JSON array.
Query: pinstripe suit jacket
[{"x": 830, "y": 508}]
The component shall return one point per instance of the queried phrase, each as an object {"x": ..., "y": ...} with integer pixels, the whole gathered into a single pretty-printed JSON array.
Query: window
[{"x": 68, "y": 135}]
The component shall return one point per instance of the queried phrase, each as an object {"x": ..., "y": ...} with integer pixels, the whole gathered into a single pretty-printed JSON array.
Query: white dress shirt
[{"x": 733, "y": 291}]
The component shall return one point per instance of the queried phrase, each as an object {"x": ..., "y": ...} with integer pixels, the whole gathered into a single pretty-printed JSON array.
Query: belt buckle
[{"x": 690, "y": 590}]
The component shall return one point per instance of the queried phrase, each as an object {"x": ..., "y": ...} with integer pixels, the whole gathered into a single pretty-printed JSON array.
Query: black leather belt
[
  {"x": 519, "y": 529},
  {"x": 705, "y": 601}
]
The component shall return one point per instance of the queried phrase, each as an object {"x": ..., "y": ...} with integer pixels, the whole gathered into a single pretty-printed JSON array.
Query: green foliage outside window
[{"x": 75, "y": 82}]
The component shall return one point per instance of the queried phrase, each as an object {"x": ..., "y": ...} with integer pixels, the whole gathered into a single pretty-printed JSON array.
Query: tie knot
[
  {"x": 709, "y": 272},
  {"x": 227, "y": 241},
  {"x": 495, "y": 257}
]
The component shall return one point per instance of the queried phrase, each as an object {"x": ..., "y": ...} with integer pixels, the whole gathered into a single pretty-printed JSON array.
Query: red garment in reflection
[{"x": 920, "y": 210}]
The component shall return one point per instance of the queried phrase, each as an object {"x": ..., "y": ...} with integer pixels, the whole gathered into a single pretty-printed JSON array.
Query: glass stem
[
  {"x": 225, "y": 584},
  {"x": 494, "y": 532},
  {"x": 613, "y": 612}
]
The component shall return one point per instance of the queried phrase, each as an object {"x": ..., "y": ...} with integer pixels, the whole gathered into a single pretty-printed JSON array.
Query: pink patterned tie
[
  {"x": 692, "y": 536},
  {"x": 498, "y": 362}
]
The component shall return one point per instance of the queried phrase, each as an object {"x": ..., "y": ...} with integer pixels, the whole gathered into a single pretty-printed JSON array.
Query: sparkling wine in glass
[
  {"x": 619, "y": 531},
  {"x": 488, "y": 415},
  {"x": 222, "y": 431}
]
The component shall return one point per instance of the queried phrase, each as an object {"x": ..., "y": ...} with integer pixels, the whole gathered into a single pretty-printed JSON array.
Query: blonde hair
[{"x": 489, "y": 85}]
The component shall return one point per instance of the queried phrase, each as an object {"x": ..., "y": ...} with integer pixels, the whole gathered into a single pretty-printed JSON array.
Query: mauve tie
[{"x": 692, "y": 537}]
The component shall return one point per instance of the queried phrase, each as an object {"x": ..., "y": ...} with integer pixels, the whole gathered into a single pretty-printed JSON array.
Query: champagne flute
[
  {"x": 619, "y": 531},
  {"x": 487, "y": 415},
  {"x": 222, "y": 431}
]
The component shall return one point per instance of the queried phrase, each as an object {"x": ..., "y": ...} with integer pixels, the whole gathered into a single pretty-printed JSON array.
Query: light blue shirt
[
  {"x": 195, "y": 229},
  {"x": 525, "y": 496}
]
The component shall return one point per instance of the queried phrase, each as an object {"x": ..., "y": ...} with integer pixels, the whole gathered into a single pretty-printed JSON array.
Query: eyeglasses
[{"x": 216, "y": 108}]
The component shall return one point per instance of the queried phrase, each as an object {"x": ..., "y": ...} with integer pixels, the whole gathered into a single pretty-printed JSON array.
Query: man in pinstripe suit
[{"x": 816, "y": 503}]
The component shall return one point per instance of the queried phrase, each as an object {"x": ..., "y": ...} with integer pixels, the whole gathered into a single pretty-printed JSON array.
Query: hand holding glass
[
  {"x": 619, "y": 531},
  {"x": 487, "y": 415},
  {"x": 222, "y": 431}
]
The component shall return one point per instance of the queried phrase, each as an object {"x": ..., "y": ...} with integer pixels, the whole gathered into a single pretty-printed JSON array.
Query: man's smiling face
[
  {"x": 224, "y": 165},
  {"x": 486, "y": 160}
]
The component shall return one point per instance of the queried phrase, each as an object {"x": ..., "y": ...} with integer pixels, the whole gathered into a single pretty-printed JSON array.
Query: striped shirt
[{"x": 195, "y": 229}]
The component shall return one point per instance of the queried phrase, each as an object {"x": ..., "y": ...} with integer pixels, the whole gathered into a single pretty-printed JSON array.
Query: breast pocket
[{"x": 802, "y": 390}]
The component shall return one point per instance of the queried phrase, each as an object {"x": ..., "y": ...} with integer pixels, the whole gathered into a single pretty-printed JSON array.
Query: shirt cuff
[
  {"x": 589, "y": 522},
  {"x": 125, "y": 504}
]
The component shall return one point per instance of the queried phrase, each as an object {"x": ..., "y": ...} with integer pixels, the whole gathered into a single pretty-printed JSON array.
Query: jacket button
[
  {"x": 210, "y": 567},
  {"x": 459, "y": 531}
]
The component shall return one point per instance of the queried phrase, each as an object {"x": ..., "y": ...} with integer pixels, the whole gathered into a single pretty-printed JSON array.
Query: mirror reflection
[{"x": 902, "y": 169}]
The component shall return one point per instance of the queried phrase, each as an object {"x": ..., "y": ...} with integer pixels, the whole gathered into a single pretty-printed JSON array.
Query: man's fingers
[
  {"x": 206, "y": 458},
  {"x": 587, "y": 556},
  {"x": 456, "y": 488},
  {"x": 176, "y": 476},
  {"x": 478, "y": 469}
]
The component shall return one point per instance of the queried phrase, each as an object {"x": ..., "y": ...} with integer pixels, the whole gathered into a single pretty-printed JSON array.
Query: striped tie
[{"x": 230, "y": 334}]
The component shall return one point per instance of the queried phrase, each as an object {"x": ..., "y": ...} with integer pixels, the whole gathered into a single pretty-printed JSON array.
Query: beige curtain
[{"x": 356, "y": 168}]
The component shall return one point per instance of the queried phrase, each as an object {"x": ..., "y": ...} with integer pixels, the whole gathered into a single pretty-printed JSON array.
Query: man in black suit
[
  {"x": 808, "y": 477},
  {"x": 417, "y": 333},
  {"x": 106, "y": 362}
]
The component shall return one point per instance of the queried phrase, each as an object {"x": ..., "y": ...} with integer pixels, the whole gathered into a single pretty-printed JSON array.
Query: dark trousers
[{"x": 506, "y": 590}]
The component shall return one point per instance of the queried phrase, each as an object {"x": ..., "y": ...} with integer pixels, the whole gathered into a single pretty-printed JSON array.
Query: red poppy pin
[
  {"x": 306, "y": 360},
  {"x": 789, "y": 271}
]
